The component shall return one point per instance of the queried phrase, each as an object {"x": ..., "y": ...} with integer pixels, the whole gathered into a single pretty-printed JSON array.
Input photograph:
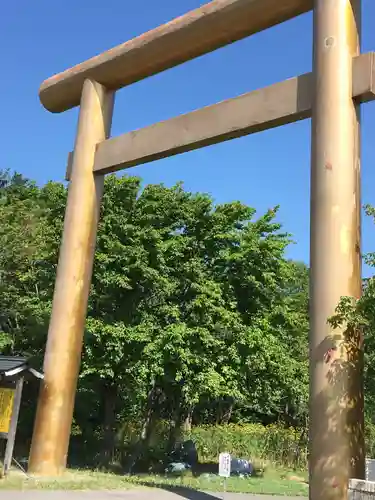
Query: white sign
[{"x": 224, "y": 464}]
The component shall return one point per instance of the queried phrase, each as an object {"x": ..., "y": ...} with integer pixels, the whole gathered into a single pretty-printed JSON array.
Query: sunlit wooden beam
[
  {"x": 279, "y": 104},
  {"x": 214, "y": 25}
]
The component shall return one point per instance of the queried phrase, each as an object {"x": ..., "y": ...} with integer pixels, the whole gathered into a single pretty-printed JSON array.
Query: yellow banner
[{"x": 6, "y": 407}]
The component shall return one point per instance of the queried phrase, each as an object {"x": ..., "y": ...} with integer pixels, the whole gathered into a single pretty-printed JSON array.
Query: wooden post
[
  {"x": 63, "y": 351},
  {"x": 336, "y": 397},
  {"x": 11, "y": 437}
]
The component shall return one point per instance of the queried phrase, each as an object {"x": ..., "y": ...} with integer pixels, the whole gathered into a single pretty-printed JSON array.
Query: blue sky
[{"x": 43, "y": 37}]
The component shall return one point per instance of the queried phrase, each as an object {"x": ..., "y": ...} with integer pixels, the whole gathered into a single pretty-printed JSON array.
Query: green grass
[
  {"x": 274, "y": 482},
  {"x": 71, "y": 480}
]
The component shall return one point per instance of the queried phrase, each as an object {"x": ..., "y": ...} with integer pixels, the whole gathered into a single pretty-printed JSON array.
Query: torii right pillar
[{"x": 336, "y": 356}]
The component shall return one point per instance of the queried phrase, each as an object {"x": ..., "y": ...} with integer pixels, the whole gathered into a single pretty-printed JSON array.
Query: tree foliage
[{"x": 195, "y": 314}]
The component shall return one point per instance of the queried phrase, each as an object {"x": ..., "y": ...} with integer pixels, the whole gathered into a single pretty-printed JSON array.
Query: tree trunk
[
  {"x": 146, "y": 427},
  {"x": 188, "y": 420},
  {"x": 219, "y": 412},
  {"x": 227, "y": 415},
  {"x": 110, "y": 393},
  {"x": 175, "y": 429}
]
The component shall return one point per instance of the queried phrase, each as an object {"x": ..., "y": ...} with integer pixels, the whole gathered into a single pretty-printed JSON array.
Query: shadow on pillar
[{"x": 337, "y": 450}]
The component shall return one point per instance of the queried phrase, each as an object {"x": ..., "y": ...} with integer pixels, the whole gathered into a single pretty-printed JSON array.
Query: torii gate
[{"x": 342, "y": 79}]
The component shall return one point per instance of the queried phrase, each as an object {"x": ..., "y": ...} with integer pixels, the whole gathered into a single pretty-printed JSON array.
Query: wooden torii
[{"x": 341, "y": 80}]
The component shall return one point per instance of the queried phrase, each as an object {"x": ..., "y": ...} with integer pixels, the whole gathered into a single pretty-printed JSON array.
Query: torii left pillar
[{"x": 49, "y": 447}]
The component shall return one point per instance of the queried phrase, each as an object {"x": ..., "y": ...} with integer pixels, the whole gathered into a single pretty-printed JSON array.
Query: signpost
[
  {"x": 10, "y": 401},
  {"x": 13, "y": 369},
  {"x": 224, "y": 464},
  {"x": 225, "y": 461},
  {"x": 6, "y": 407}
]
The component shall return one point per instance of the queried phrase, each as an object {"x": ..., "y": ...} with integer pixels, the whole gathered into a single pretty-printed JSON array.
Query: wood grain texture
[
  {"x": 273, "y": 106},
  {"x": 69, "y": 307},
  {"x": 214, "y": 25}
]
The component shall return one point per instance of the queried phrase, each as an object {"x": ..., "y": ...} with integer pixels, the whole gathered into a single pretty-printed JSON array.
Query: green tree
[{"x": 195, "y": 315}]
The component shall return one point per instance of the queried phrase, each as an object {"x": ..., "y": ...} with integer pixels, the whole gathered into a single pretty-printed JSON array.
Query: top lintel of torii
[{"x": 211, "y": 26}]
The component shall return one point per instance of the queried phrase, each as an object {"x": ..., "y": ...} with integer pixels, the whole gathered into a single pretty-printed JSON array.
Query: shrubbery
[{"x": 273, "y": 444}]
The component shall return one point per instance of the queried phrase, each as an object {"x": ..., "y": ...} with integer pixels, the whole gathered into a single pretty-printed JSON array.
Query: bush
[
  {"x": 276, "y": 444},
  {"x": 286, "y": 447}
]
